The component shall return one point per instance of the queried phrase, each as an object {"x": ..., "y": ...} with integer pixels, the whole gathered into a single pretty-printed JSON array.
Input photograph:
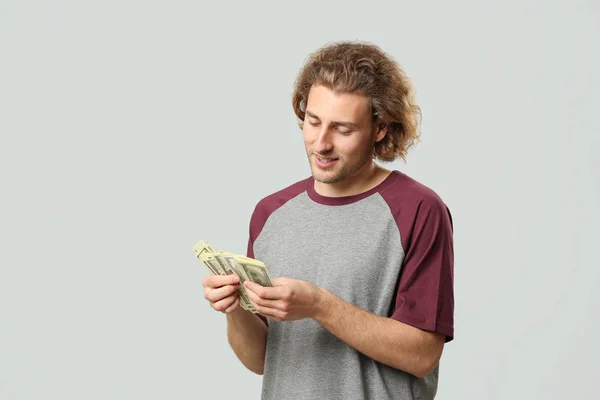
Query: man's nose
[{"x": 323, "y": 143}]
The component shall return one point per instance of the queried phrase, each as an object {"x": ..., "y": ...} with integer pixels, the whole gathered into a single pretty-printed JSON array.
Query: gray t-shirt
[{"x": 388, "y": 251}]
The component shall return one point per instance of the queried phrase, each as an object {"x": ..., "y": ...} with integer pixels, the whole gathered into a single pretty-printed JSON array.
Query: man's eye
[
  {"x": 313, "y": 123},
  {"x": 343, "y": 132}
]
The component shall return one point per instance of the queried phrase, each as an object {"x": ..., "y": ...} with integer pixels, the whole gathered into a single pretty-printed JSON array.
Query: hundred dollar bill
[
  {"x": 229, "y": 259},
  {"x": 215, "y": 263},
  {"x": 228, "y": 265},
  {"x": 201, "y": 249},
  {"x": 211, "y": 262},
  {"x": 255, "y": 270}
]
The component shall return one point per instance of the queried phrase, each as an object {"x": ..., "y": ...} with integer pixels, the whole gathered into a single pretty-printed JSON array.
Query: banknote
[
  {"x": 223, "y": 262},
  {"x": 255, "y": 270},
  {"x": 230, "y": 268},
  {"x": 228, "y": 259},
  {"x": 215, "y": 262},
  {"x": 201, "y": 248},
  {"x": 211, "y": 262}
]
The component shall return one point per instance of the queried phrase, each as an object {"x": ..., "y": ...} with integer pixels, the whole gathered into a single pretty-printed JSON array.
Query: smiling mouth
[
  {"x": 323, "y": 162},
  {"x": 324, "y": 159}
]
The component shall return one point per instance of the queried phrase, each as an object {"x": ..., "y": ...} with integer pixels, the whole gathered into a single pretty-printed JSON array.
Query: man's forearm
[
  {"x": 247, "y": 335},
  {"x": 386, "y": 340}
]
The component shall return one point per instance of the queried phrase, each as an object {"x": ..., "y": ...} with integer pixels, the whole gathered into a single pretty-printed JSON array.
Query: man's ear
[{"x": 381, "y": 132}]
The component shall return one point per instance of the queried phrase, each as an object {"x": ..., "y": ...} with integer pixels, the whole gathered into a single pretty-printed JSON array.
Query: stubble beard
[{"x": 336, "y": 174}]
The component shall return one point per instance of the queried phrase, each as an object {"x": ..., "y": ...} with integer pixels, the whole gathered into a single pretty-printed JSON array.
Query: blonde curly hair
[{"x": 361, "y": 67}]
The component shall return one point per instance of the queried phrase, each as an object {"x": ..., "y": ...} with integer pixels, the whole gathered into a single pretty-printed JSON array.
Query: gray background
[{"x": 132, "y": 129}]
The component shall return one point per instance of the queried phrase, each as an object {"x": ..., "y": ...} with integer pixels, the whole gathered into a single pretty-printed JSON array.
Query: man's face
[{"x": 338, "y": 134}]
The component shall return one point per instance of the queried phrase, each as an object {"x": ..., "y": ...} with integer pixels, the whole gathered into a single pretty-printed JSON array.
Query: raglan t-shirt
[{"x": 388, "y": 251}]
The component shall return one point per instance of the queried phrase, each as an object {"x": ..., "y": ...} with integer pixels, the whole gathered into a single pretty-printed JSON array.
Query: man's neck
[{"x": 367, "y": 178}]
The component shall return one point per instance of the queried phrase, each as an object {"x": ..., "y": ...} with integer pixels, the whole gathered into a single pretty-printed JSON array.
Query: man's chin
[
  {"x": 322, "y": 176},
  {"x": 326, "y": 180}
]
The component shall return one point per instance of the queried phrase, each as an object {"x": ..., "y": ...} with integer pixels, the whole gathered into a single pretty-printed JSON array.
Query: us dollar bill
[
  {"x": 202, "y": 248},
  {"x": 255, "y": 270},
  {"x": 227, "y": 264},
  {"x": 212, "y": 263}
]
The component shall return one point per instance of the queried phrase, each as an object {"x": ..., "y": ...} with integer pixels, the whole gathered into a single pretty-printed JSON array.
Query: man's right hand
[{"x": 221, "y": 292}]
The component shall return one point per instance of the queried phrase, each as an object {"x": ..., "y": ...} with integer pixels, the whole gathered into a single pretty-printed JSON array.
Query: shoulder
[
  {"x": 409, "y": 199},
  {"x": 408, "y": 192},
  {"x": 269, "y": 204}
]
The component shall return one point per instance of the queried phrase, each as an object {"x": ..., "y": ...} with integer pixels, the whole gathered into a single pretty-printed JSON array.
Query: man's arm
[
  {"x": 247, "y": 335},
  {"x": 386, "y": 340}
]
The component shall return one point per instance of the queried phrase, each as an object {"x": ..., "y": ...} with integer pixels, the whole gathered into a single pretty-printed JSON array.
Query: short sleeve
[{"x": 425, "y": 295}]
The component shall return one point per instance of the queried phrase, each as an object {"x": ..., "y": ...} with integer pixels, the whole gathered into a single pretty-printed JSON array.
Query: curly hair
[{"x": 361, "y": 67}]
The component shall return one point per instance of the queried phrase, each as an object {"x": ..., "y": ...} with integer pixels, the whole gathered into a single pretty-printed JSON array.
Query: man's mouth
[{"x": 325, "y": 162}]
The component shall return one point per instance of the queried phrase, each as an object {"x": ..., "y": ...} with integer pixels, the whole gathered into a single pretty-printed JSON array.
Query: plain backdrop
[{"x": 132, "y": 129}]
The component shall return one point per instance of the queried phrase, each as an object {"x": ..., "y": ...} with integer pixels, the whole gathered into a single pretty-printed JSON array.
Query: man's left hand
[{"x": 288, "y": 300}]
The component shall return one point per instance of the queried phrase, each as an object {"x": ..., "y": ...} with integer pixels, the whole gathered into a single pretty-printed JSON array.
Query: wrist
[
  {"x": 323, "y": 302},
  {"x": 236, "y": 315}
]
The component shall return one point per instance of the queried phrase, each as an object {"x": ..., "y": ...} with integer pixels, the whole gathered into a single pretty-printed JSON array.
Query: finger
[
  {"x": 263, "y": 301},
  {"x": 223, "y": 304},
  {"x": 232, "y": 307},
  {"x": 214, "y": 295},
  {"x": 266, "y": 292},
  {"x": 268, "y": 312},
  {"x": 215, "y": 281}
]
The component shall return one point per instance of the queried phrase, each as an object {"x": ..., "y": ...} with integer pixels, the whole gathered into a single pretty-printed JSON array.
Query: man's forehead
[{"x": 323, "y": 102}]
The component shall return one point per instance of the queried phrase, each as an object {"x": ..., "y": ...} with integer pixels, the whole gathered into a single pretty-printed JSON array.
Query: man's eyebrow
[{"x": 337, "y": 123}]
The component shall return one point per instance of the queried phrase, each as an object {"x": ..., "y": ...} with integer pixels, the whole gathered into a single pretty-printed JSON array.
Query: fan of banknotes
[{"x": 226, "y": 263}]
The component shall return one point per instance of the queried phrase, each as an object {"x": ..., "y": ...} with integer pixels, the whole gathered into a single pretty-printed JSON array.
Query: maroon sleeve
[{"x": 425, "y": 295}]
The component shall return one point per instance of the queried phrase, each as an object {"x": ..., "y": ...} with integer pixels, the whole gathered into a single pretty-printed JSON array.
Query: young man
[{"x": 363, "y": 303}]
